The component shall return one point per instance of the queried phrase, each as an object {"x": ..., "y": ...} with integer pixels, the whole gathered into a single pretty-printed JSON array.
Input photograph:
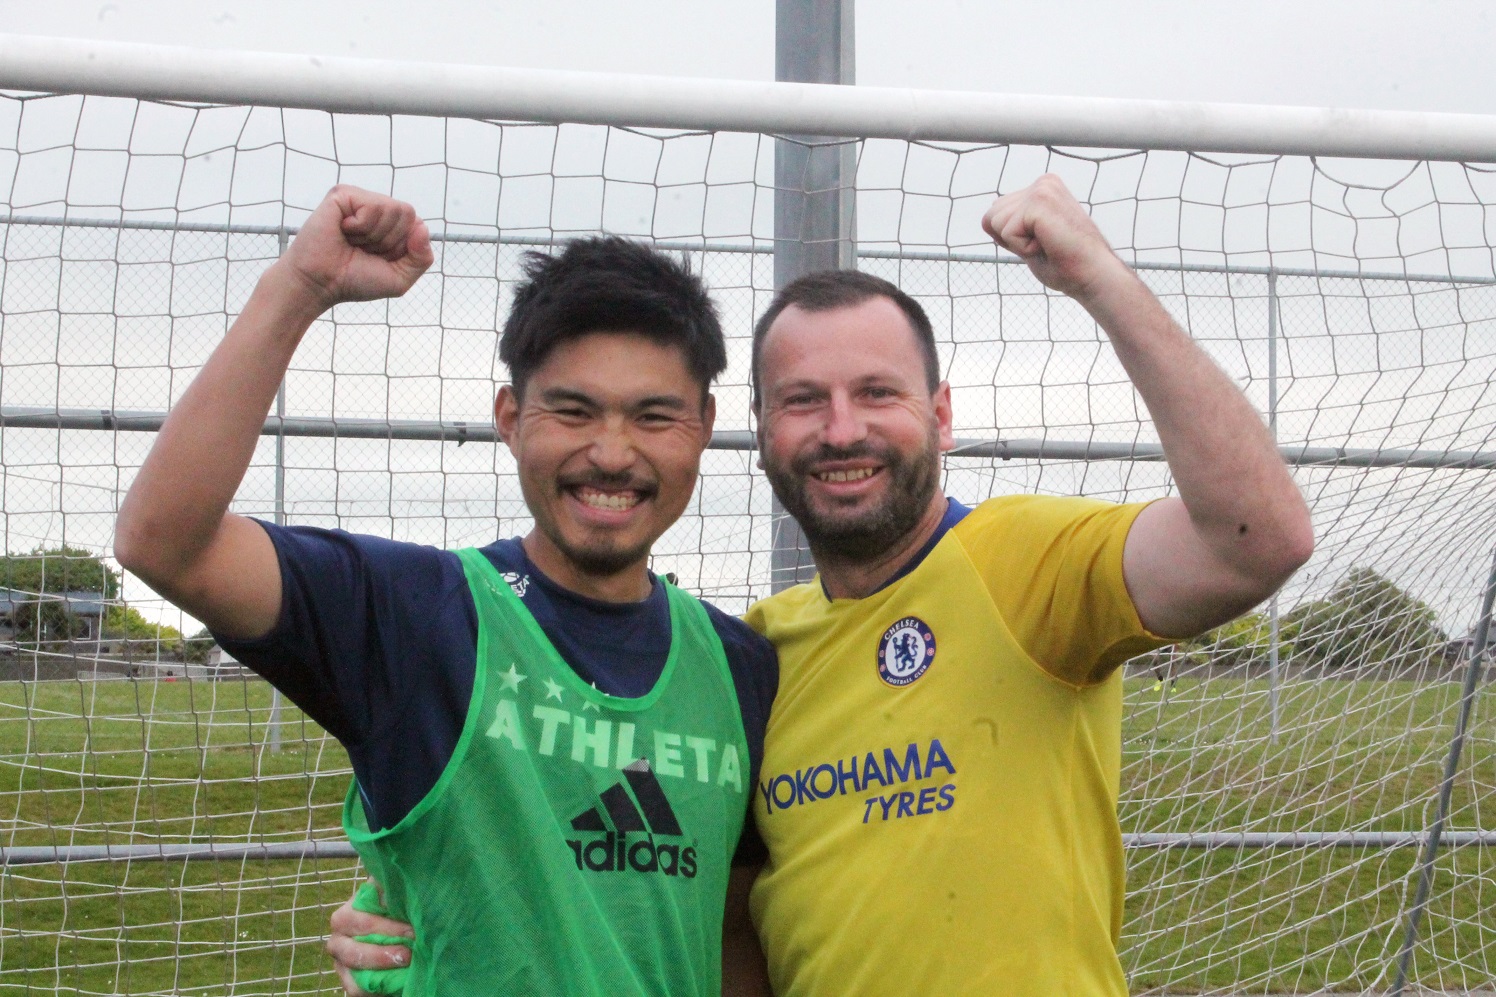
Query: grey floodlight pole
[{"x": 814, "y": 195}]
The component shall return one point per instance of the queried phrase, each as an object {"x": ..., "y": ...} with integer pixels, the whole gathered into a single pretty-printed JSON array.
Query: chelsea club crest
[{"x": 906, "y": 651}]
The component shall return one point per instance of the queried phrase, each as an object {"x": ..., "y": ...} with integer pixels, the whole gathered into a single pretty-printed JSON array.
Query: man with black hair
[{"x": 553, "y": 748}]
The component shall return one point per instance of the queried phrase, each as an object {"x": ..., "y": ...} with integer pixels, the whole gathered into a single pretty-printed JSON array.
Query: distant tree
[
  {"x": 49, "y": 573},
  {"x": 46, "y": 574},
  {"x": 195, "y": 648},
  {"x": 55, "y": 570},
  {"x": 124, "y": 623},
  {"x": 1364, "y": 620},
  {"x": 1243, "y": 641}
]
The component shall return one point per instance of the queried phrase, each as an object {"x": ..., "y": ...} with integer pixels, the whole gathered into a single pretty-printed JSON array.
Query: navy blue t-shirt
[{"x": 377, "y": 642}]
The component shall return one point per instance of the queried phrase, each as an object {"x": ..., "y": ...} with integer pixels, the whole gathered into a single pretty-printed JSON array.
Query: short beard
[
  {"x": 602, "y": 561},
  {"x": 869, "y": 535}
]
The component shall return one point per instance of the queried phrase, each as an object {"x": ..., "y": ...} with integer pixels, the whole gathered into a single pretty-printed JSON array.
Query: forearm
[
  {"x": 1239, "y": 527},
  {"x": 1241, "y": 501},
  {"x": 176, "y": 506},
  {"x": 744, "y": 971}
]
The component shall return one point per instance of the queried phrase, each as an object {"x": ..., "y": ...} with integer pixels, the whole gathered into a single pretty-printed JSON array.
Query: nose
[
  {"x": 844, "y": 425},
  {"x": 612, "y": 449}
]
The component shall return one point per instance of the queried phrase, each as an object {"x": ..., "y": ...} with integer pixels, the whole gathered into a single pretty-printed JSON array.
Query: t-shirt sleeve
[
  {"x": 1053, "y": 567},
  {"x": 354, "y": 626}
]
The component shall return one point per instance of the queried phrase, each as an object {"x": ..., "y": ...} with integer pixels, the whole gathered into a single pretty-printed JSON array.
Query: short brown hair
[{"x": 827, "y": 290}]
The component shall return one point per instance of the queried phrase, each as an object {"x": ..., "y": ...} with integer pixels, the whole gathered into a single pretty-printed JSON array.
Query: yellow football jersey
[{"x": 939, "y": 783}]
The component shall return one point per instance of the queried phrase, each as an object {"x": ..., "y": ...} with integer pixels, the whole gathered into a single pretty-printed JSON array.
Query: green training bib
[{"x": 577, "y": 843}]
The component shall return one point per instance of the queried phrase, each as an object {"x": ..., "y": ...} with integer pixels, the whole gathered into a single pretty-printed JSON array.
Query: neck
[
  {"x": 629, "y": 584},
  {"x": 844, "y": 578}
]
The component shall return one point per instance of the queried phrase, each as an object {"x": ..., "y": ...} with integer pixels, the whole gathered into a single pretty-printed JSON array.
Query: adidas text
[{"x": 617, "y": 853}]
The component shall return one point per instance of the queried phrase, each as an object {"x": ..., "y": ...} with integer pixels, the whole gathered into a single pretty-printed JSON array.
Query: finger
[
  {"x": 350, "y": 988},
  {"x": 348, "y": 921},
  {"x": 418, "y": 246},
  {"x": 390, "y": 234},
  {"x": 363, "y": 227},
  {"x": 997, "y": 214},
  {"x": 1017, "y": 236},
  {"x": 390, "y": 229},
  {"x": 346, "y": 951}
]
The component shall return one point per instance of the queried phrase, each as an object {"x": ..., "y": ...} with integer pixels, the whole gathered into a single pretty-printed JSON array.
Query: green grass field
[{"x": 142, "y": 762}]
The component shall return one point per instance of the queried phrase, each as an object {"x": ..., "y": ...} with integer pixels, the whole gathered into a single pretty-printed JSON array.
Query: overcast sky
[{"x": 1431, "y": 55}]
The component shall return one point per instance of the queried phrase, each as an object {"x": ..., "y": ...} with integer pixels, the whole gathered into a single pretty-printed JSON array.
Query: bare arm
[
  {"x": 174, "y": 530},
  {"x": 1239, "y": 527},
  {"x": 744, "y": 972}
]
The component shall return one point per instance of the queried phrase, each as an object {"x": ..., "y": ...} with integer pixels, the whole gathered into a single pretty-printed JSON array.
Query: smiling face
[
  {"x": 608, "y": 438},
  {"x": 850, "y": 435}
]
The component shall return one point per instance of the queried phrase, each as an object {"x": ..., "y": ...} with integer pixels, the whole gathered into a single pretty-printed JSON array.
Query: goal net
[{"x": 168, "y": 826}]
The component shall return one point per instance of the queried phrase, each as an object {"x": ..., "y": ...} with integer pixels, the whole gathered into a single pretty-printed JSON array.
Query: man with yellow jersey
[
  {"x": 940, "y": 777},
  {"x": 939, "y": 786}
]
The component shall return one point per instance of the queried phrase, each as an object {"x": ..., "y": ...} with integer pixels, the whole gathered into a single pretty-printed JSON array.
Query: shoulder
[
  {"x": 739, "y": 638},
  {"x": 315, "y": 544},
  {"x": 754, "y": 666},
  {"x": 764, "y": 615},
  {"x": 347, "y": 580},
  {"x": 1018, "y": 523},
  {"x": 749, "y": 654},
  {"x": 1026, "y": 510}
]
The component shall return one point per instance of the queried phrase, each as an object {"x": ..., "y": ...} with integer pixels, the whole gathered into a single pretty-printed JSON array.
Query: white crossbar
[{"x": 66, "y": 65}]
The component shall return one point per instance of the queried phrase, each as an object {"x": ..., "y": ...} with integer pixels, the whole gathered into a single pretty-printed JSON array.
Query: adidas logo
[{"x": 646, "y": 811}]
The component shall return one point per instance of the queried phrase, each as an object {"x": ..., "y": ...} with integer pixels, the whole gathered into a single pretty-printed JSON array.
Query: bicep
[
  {"x": 1179, "y": 587},
  {"x": 234, "y": 588},
  {"x": 357, "y": 615}
]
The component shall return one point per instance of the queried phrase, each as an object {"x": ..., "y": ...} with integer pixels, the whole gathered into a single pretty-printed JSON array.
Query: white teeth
[
  {"x": 857, "y": 475},
  {"x": 603, "y": 500}
]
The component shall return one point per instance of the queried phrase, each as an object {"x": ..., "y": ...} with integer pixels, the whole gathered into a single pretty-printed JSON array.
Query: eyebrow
[
  {"x": 662, "y": 401},
  {"x": 809, "y": 384},
  {"x": 799, "y": 384},
  {"x": 561, "y": 396}
]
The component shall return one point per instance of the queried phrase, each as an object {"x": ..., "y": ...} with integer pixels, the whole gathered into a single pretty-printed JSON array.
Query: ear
[
  {"x": 758, "y": 433},
  {"x": 506, "y": 414},
  {"x": 941, "y": 400},
  {"x": 708, "y": 419}
]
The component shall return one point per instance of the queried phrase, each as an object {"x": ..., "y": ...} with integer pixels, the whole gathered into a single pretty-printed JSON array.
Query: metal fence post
[
  {"x": 814, "y": 197},
  {"x": 273, "y": 725},
  {"x": 1446, "y": 787},
  {"x": 1274, "y": 678}
]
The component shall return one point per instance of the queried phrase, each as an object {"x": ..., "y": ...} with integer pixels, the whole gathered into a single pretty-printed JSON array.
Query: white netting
[{"x": 175, "y": 211}]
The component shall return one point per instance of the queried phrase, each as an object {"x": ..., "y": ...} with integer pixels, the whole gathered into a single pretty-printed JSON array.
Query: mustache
[
  {"x": 609, "y": 481},
  {"x": 826, "y": 453}
]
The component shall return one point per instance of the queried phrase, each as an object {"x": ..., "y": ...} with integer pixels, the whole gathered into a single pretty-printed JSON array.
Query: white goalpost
[{"x": 1308, "y": 795}]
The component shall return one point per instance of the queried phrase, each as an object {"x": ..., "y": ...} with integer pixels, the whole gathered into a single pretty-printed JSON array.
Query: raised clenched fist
[
  {"x": 1046, "y": 227},
  {"x": 357, "y": 246}
]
